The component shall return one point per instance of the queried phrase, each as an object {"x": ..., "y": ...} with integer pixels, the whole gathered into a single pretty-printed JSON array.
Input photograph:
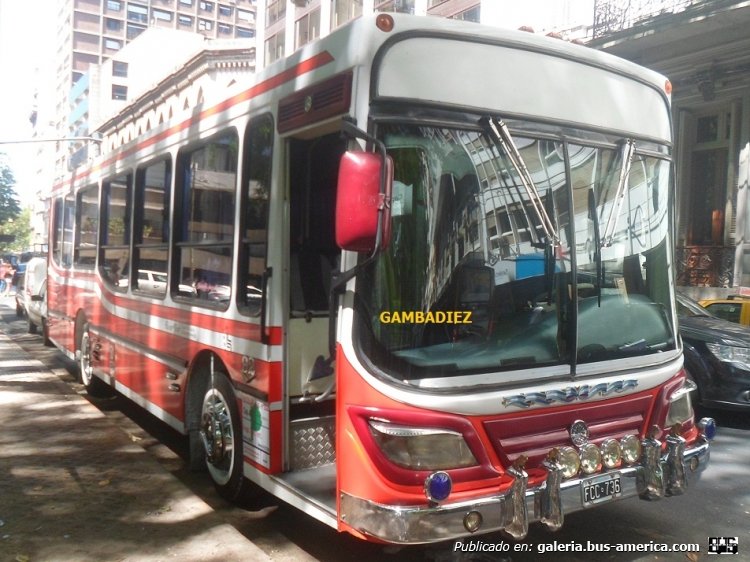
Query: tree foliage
[
  {"x": 9, "y": 206},
  {"x": 20, "y": 228}
]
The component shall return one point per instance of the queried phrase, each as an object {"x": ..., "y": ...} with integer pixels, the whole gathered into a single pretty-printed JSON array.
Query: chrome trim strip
[{"x": 421, "y": 524}]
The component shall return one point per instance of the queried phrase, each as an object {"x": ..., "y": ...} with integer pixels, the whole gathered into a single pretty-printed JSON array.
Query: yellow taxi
[{"x": 735, "y": 308}]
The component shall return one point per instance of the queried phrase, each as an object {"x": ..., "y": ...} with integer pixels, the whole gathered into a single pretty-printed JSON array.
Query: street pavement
[{"x": 75, "y": 488}]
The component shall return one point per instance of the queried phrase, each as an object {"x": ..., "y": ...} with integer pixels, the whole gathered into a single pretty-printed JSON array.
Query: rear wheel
[
  {"x": 221, "y": 435},
  {"x": 93, "y": 385}
]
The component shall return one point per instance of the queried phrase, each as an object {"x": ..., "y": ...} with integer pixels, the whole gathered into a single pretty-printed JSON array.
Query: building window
[
  {"x": 206, "y": 6},
  {"x": 344, "y": 10},
  {"x": 186, "y": 3},
  {"x": 708, "y": 180},
  {"x": 120, "y": 69},
  {"x": 274, "y": 48},
  {"x": 307, "y": 28},
  {"x": 185, "y": 20},
  {"x": 245, "y": 33},
  {"x": 224, "y": 29},
  {"x": 134, "y": 31},
  {"x": 275, "y": 10},
  {"x": 119, "y": 92},
  {"x": 472, "y": 14},
  {"x": 244, "y": 15},
  {"x": 112, "y": 24},
  {"x": 205, "y": 25},
  {"x": 400, "y": 6},
  {"x": 161, "y": 15},
  {"x": 225, "y": 11},
  {"x": 138, "y": 13},
  {"x": 114, "y": 5},
  {"x": 112, "y": 44}
]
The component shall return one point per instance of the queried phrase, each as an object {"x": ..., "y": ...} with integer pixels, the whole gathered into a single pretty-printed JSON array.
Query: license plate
[{"x": 601, "y": 489}]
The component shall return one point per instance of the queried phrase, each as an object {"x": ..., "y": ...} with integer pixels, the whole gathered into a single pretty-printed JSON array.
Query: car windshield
[{"x": 497, "y": 260}]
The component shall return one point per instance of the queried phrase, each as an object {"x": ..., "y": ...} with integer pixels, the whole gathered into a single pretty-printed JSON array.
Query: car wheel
[
  {"x": 19, "y": 311},
  {"x": 32, "y": 327}
]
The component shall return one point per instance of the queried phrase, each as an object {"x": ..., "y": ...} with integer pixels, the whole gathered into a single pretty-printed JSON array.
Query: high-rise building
[{"x": 90, "y": 32}]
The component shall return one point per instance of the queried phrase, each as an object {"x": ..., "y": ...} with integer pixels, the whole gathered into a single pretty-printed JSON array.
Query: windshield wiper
[
  {"x": 499, "y": 133},
  {"x": 626, "y": 154},
  {"x": 599, "y": 271}
]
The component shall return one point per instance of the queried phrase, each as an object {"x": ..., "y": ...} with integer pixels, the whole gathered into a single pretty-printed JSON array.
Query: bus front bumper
[{"x": 512, "y": 511}]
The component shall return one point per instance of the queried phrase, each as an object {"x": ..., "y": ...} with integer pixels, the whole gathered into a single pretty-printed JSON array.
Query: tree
[
  {"x": 19, "y": 228},
  {"x": 9, "y": 206}
]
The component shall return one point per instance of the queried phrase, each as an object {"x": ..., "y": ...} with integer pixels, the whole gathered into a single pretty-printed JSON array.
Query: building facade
[
  {"x": 703, "y": 47},
  {"x": 90, "y": 32}
]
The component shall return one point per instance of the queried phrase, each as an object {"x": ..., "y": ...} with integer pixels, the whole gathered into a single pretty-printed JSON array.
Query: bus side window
[
  {"x": 87, "y": 226},
  {"x": 314, "y": 253},
  {"x": 256, "y": 168},
  {"x": 204, "y": 232},
  {"x": 114, "y": 235},
  {"x": 151, "y": 230}
]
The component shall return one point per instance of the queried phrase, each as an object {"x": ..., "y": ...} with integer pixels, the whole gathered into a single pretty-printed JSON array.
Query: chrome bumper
[{"x": 508, "y": 512}]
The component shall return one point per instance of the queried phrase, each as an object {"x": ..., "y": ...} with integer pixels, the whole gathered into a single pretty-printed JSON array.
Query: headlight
[
  {"x": 422, "y": 448},
  {"x": 631, "y": 449},
  {"x": 591, "y": 458},
  {"x": 611, "y": 453},
  {"x": 569, "y": 461},
  {"x": 680, "y": 408},
  {"x": 740, "y": 356}
]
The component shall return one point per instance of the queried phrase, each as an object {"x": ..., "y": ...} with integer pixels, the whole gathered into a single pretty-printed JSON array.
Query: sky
[{"x": 26, "y": 55}]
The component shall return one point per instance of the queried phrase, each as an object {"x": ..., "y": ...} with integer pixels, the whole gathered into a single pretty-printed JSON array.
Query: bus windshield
[{"x": 538, "y": 248}]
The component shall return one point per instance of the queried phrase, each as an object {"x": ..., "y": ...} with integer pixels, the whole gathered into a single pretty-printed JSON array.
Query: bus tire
[
  {"x": 94, "y": 386},
  {"x": 221, "y": 435}
]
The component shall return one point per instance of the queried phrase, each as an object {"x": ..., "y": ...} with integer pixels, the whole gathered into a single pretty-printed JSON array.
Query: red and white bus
[{"x": 416, "y": 280}]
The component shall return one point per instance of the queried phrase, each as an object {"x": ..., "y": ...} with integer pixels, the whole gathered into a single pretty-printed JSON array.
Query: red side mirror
[{"x": 359, "y": 201}]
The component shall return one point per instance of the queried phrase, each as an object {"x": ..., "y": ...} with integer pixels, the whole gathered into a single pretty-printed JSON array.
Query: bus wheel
[
  {"x": 94, "y": 386},
  {"x": 221, "y": 434}
]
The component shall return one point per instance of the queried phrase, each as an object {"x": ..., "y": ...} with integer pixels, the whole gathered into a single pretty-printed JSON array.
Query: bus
[{"x": 416, "y": 280}]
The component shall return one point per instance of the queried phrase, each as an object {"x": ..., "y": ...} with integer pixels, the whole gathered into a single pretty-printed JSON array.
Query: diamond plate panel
[{"x": 313, "y": 442}]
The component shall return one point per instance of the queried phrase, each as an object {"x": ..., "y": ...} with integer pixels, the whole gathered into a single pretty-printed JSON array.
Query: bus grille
[{"x": 536, "y": 432}]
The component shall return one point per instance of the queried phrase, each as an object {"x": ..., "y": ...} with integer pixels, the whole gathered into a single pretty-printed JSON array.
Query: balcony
[{"x": 611, "y": 16}]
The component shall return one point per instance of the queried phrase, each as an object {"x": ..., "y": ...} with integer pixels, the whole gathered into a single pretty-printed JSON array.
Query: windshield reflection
[{"x": 474, "y": 281}]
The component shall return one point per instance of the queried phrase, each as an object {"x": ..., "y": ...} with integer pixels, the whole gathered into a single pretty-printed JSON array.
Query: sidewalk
[{"x": 74, "y": 488}]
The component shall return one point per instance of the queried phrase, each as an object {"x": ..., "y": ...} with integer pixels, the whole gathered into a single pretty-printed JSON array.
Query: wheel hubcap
[
  {"x": 217, "y": 436},
  {"x": 85, "y": 361}
]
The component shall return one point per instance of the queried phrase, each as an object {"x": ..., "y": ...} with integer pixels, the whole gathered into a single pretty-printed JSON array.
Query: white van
[{"x": 29, "y": 301}]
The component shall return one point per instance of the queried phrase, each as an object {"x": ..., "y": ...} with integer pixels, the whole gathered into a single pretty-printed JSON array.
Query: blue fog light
[
  {"x": 708, "y": 427},
  {"x": 437, "y": 486}
]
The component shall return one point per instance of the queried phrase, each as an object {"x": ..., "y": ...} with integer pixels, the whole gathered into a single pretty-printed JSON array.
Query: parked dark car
[{"x": 717, "y": 356}]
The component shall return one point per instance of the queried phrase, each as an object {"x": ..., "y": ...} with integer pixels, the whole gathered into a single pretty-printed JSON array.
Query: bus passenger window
[
  {"x": 151, "y": 244},
  {"x": 204, "y": 232},
  {"x": 256, "y": 193},
  {"x": 87, "y": 211},
  {"x": 114, "y": 235}
]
